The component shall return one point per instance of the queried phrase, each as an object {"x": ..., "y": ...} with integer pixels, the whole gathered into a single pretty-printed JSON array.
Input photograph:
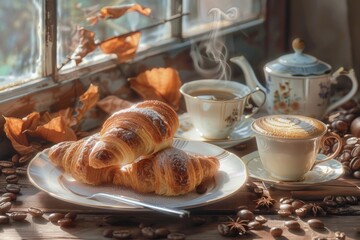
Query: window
[{"x": 30, "y": 54}]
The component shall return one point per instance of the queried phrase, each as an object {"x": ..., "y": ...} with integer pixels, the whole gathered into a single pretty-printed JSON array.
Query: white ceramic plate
[
  {"x": 231, "y": 176},
  {"x": 241, "y": 133},
  {"x": 321, "y": 173}
]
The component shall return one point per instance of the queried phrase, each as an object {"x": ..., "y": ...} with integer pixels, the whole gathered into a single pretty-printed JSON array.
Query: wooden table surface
[{"x": 90, "y": 223}]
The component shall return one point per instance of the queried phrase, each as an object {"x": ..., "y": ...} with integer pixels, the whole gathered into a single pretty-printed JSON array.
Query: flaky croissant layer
[
  {"x": 169, "y": 172},
  {"x": 140, "y": 130}
]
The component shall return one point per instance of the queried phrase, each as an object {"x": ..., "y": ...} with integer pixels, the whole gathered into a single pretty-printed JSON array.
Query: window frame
[{"x": 50, "y": 76}]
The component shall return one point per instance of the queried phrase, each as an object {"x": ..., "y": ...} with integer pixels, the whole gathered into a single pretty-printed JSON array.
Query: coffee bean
[
  {"x": 301, "y": 212},
  {"x": 122, "y": 234},
  {"x": 162, "y": 232},
  {"x": 65, "y": 222},
  {"x": 13, "y": 188},
  {"x": 11, "y": 195},
  {"x": 340, "y": 125},
  {"x": 15, "y": 158},
  {"x": 35, "y": 212},
  {"x": 355, "y": 152},
  {"x": 18, "y": 216},
  {"x": 148, "y": 232},
  {"x": 287, "y": 207},
  {"x": 356, "y": 174},
  {"x": 25, "y": 159},
  {"x": 176, "y": 236},
  {"x": 6, "y": 164},
  {"x": 12, "y": 178},
  {"x": 284, "y": 213},
  {"x": 261, "y": 219},
  {"x": 21, "y": 171},
  {"x": 286, "y": 200},
  {"x": 245, "y": 215},
  {"x": 4, "y": 219},
  {"x": 276, "y": 231},
  {"x": 351, "y": 141},
  {"x": 355, "y": 164},
  {"x": 71, "y": 215},
  {"x": 8, "y": 171},
  {"x": 345, "y": 156},
  {"x": 340, "y": 200},
  {"x": 254, "y": 225},
  {"x": 108, "y": 233},
  {"x": 5, "y": 199},
  {"x": 347, "y": 171},
  {"x": 330, "y": 203},
  {"x": 5, "y": 207},
  {"x": 297, "y": 204},
  {"x": 315, "y": 223},
  {"x": 352, "y": 200},
  {"x": 54, "y": 217},
  {"x": 292, "y": 224}
]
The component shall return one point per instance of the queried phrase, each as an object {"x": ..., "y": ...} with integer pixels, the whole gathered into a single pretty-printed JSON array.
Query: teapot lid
[{"x": 298, "y": 63}]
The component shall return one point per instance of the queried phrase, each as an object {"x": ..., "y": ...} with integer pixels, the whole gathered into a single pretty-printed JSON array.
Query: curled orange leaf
[
  {"x": 87, "y": 100},
  {"x": 86, "y": 45},
  {"x": 159, "y": 84},
  {"x": 113, "y": 12},
  {"x": 124, "y": 46},
  {"x": 14, "y": 129},
  {"x": 56, "y": 130}
]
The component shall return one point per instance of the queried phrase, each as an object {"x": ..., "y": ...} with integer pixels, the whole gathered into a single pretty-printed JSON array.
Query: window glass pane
[
  {"x": 73, "y": 14},
  {"x": 20, "y": 38},
  {"x": 205, "y": 13}
]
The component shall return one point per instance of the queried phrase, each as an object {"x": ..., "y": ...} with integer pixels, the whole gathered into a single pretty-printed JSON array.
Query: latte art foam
[{"x": 289, "y": 126}]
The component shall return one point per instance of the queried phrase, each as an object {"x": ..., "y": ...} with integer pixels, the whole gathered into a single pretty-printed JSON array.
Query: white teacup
[
  {"x": 288, "y": 144},
  {"x": 217, "y": 106}
]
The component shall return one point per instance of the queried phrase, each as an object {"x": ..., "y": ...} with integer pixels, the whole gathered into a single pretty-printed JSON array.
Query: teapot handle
[
  {"x": 351, "y": 75},
  {"x": 254, "y": 109}
]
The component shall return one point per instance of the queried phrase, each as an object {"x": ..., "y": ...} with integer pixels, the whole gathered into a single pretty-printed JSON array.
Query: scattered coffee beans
[
  {"x": 18, "y": 216},
  {"x": 176, "y": 236},
  {"x": 276, "y": 231},
  {"x": 5, "y": 207},
  {"x": 108, "y": 233},
  {"x": 148, "y": 232},
  {"x": 122, "y": 234},
  {"x": 162, "y": 232},
  {"x": 292, "y": 224},
  {"x": 315, "y": 223},
  {"x": 245, "y": 215},
  {"x": 54, "y": 217},
  {"x": 35, "y": 212},
  {"x": 65, "y": 222}
]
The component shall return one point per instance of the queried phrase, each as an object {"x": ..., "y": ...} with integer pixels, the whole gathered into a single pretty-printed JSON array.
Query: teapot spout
[{"x": 250, "y": 77}]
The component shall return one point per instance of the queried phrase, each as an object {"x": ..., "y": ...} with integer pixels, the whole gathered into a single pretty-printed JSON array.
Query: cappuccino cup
[
  {"x": 288, "y": 145},
  {"x": 216, "y": 107}
]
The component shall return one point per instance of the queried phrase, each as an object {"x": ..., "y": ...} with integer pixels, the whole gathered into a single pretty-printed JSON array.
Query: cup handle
[
  {"x": 351, "y": 75},
  {"x": 322, "y": 145},
  {"x": 254, "y": 109}
]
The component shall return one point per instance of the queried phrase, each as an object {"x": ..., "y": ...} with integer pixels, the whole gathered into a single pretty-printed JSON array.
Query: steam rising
[{"x": 210, "y": 57}]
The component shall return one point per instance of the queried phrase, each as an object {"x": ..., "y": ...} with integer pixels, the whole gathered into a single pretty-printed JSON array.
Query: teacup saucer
[
  {"x": 321, "y": 173},
  {"x": 241, "y": 133}
]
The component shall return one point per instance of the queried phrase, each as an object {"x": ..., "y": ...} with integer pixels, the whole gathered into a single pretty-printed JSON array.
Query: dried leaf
[
  {"x": 111, "y": 104},
  {"x": 86, "y": 45},
  {"x": 124, "y": 46},
  {"x": 13, "y": 129},
  {"x": 56, "y": 130},
  {"x": 114, "y": 12},
  {"x": 159, "y": 84},
  {"x": 88, "y": 100}
]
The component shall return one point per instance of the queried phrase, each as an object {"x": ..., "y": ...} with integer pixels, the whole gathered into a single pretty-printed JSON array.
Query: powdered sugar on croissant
[
  {"x": 169, "y": 172},
  {"x": 143, "y": 129}
]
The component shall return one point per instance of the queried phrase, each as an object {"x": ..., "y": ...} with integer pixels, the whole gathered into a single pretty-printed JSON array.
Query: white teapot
[{"x": 297, "y": 83}]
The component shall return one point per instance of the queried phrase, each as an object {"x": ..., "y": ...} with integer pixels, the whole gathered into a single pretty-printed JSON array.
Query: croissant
[
  {"x": 170, "y": 171},
  {"x": 140, "y": 130}
]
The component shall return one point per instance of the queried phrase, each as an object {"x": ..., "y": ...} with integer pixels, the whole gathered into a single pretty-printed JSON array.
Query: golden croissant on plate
[
  {"x": 140, "y": 130},
  {"x": 170, "y": 171}
]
